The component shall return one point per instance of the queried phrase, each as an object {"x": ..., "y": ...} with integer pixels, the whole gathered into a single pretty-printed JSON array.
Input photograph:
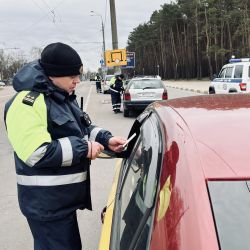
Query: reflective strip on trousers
[
  {"x": 51, "y": 180},
  {"x": 116, "y": 106}
]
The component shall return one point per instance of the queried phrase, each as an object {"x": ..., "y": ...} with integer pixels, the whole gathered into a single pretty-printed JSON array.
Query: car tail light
[
  {"x": 243, "y": 86},
  {"x": 165, "y": 95},
  {"x": 126, "y": 96}
]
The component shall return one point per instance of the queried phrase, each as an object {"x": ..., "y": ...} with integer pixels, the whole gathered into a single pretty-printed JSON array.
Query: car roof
[
  {"x": 218, "y": 126},
  {"x": 235, "y": 63}
]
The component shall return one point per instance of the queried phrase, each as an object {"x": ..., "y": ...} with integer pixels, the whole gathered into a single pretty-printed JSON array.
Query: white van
[{"x": 234, "y": 77}]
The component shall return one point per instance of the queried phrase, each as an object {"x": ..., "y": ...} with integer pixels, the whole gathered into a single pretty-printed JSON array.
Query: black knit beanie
[{"x": 59, "y": 59}]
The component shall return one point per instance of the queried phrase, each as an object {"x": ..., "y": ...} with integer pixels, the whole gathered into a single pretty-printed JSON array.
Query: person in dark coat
[
  {"x": 54, "y": 142},
  {"x": 98, "y": 84},
  {"x": 115, "y": 90}
]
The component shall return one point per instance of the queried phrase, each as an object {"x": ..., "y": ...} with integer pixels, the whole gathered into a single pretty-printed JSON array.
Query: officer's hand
[
  {"x": 95, "y": 149},
  {"x": 115, "y": 144}
]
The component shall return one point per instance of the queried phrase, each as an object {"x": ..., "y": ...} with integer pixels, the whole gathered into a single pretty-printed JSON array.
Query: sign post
[
  {"x": 130, "y": 61},
  {"x": 116, "y": 57}
]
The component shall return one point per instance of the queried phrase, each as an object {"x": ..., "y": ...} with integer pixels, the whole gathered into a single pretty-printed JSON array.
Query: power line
[
  {"x": 52, "y": 11},
  {"x": 33, "y": 24}
]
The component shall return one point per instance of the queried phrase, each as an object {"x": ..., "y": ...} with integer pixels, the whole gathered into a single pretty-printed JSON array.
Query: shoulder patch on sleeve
[{"x": 30, "y": 98}]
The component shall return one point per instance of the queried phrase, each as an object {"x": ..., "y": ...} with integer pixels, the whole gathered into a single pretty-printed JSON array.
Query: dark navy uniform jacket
[{"x": 49, "y": 134}]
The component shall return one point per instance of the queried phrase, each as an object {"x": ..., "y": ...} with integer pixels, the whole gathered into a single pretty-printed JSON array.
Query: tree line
[
  {"x": 191, "y": 38},
  {"x": 11, "y": 62}
]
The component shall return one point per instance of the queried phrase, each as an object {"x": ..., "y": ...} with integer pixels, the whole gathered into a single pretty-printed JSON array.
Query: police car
[{"x": 234, "y": 77}]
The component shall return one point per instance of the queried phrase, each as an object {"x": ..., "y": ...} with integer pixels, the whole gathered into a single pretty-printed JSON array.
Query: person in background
[
  {"x": 98, "y": 84},
  {"x": 116, "y": 88},
  {"x": 54, "y": 142}
]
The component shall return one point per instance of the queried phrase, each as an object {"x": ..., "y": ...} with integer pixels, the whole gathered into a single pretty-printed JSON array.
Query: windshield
[{"x": 142, "y": 84}]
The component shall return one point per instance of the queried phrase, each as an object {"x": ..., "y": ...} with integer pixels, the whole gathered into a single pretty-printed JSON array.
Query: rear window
[
  {"x": 108, "y": 78},
  {"x": 238, "y": 71},
  {"x": 141, "y": 84},
  {"x": 230, "y": 201}
]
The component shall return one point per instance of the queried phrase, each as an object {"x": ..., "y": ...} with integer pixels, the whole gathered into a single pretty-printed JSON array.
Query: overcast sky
[{"x": 35, "y": 23}]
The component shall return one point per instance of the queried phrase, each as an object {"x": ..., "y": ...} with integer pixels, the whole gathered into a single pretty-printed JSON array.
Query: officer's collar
[{"x": 60, "y": 95}]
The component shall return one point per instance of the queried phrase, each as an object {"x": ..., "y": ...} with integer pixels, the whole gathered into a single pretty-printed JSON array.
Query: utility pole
[
  {"x": 114, "y": 30},
  {"x": 113, "y": 24},
  {"x": 103, "y": 41}
]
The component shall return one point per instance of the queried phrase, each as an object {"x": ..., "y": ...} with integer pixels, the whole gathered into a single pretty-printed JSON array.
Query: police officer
[
  {"x": 54, "y": 142},
  {"x": 98, "y": 84},
  {"x": 116, "y": 88}
]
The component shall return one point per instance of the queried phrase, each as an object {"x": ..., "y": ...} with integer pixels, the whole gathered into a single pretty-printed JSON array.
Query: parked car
[
  {"x": 184, "y": 180},
  {"x": 106, "y": 84},
  {"x": 147, "y": 76},
  {"x": 2, "y": 83},
  {"x": 140, "y": 92},
  {"x": 125, "y": 83},
  {"x": 233, "y": 77}
]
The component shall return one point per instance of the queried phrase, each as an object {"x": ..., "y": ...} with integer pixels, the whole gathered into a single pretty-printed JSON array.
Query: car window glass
[
  {"x": 108, "y": 78},
  {"x": 238, "y": 71},
  {"x": 140, "y": 84},
  {"x": 228, "y": 73},
  {"x": 139, "y": 187},
  {"x": 221, "y": 74},
  {"x": 249, "y": 71},
  {"x": 230, "y": 203}
]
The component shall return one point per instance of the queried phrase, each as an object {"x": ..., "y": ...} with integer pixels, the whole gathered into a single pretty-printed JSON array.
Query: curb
[{"x": 187, "y": 89}]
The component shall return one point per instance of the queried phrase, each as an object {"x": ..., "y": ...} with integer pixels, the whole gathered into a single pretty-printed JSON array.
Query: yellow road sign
[{"x": 116, "y": 57}]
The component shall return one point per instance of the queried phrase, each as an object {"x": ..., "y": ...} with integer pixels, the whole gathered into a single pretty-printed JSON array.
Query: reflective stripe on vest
[
  {"x": 51, "y": 180},
  {"x": 114, "y": 90},
  {"x": 36, "y": 156},
  {"x": 67, "y": 151},
  {"x": 94, "y": 133}
]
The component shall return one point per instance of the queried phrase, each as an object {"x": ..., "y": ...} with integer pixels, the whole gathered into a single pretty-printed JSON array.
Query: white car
[
  {"x": 234, "y": 77},
  {"x": 2, "y": 83},
  {"x": 105, "y": 84},
  {"x": 140, "y": 92}
]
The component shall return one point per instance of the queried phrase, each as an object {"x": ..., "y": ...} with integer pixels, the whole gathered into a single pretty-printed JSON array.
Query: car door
[
  {"x": 225, "y": 82},
  {"x": 137, "y": 188}
]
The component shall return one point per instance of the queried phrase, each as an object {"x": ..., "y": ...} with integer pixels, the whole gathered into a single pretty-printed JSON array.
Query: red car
[{"x": 184, "y": 181}]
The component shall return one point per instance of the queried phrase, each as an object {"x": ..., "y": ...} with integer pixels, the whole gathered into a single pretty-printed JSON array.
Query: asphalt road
[{"x": 14, "y": 232}]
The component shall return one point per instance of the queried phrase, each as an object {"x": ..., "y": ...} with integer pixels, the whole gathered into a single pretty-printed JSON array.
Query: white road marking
[{"x": 87, "y": 101}]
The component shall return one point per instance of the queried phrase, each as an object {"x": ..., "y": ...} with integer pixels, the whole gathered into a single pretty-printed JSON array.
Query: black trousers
[
  {"x": 116, "y": 100},
  {"x": 98, "y": 87},
  {"x": 56, "y": 235}
]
